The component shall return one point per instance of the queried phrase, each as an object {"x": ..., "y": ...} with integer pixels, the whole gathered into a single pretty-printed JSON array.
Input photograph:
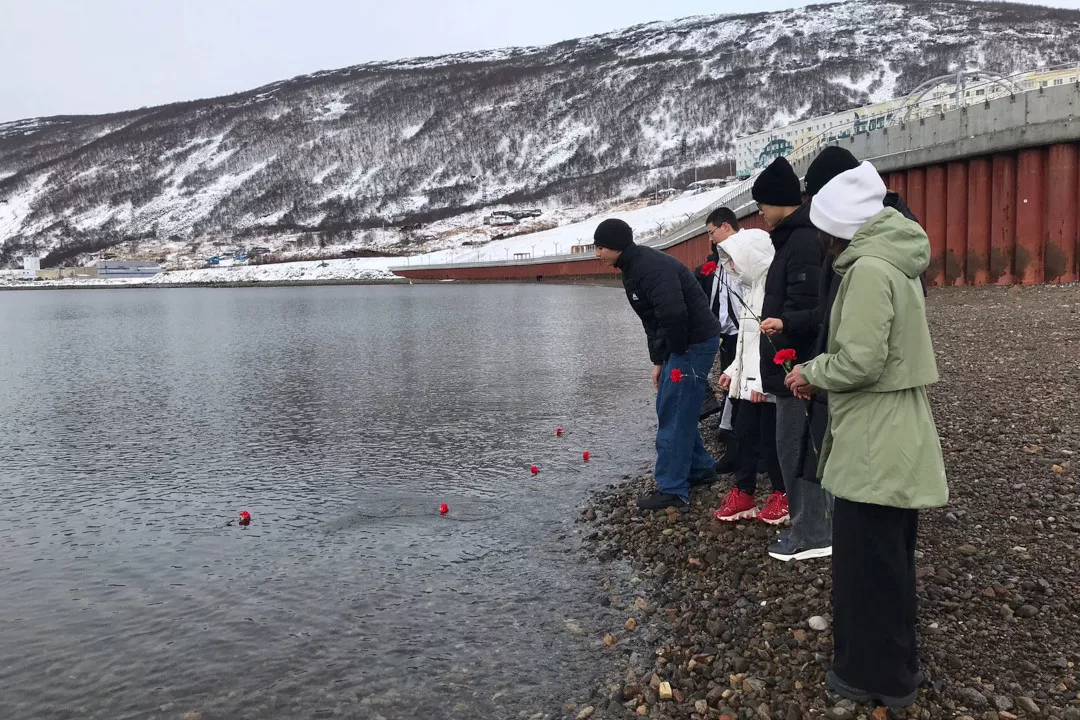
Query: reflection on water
[{"x": 135, "y": 424}]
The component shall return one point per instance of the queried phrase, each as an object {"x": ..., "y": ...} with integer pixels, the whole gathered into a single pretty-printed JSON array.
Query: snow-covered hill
[{"x": 404, "y": 156}]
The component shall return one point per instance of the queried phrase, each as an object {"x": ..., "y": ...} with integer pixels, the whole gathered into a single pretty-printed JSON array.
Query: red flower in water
[
  {"x": 444, "y": 508},
  {"x": 676, "y": 375},
  {"x": 708, "y": 268},
  {"x": 245, "y": 518},
  {"x": 558, "y": 432},
  {"x": 784, "y": 356},
  {"x": 534, "y": 470},
  {"x": 585, "y": 456}
]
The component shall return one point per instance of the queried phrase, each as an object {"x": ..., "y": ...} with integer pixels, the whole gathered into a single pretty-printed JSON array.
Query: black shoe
[
  {"x": 658, "y": 501},
  {"x": 841, "y": 688},
  {"x": 788, "y": 548},
  {"x": 702, "y": 477},
  {"x": 725, "y": 464}
]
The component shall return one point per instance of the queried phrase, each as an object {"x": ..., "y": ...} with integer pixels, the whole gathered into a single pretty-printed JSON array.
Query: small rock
[
  {"x": 753, "y": 686},
  {"x": 586, "y": 713},
  {"x": 610, "y": 639},
  {"x": 701, "y": 707},
  {"x": 1027, "y": 705},
  {"x": 631, "y": 625},
  {"x": 972, "y": 698},
  {"x": 1002, "y": 702},
  {"x": 643, "y": 710},
  {"x": 967, "y": 550},
  {"x": 193, "y": 715},
  {"x": 590, "y": 514},
  {"x": 840, "y": 712},
  {"x": 818, "y": 623},
  {"x": 665, "y": 690},
  {"x": 880, "y": 713},
  {"x": 1072, "y": 714},
  {"x": 1027, "y": 611}
]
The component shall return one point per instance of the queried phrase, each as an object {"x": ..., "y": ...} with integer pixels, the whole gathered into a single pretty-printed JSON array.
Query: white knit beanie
[{"x": 848, "y": 201}]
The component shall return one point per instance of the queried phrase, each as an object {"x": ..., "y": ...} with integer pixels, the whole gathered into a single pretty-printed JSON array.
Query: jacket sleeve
[
  {"x": 806, "y": 323},
  {"x": 861, "y": 335},
  {"x": 664, "y": 290},
  {"x": 801, "y": 290}
]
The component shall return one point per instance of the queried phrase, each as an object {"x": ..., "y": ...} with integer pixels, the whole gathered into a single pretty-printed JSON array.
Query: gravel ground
[{"x": 699, "y": 613}]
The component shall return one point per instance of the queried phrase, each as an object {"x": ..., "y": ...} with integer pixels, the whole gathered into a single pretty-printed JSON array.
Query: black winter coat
[
  {"x": 791, "y": 294},
  {"x": 669, "y": 300}
]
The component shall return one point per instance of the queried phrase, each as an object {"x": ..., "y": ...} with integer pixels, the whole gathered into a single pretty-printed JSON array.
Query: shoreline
[
  {"x": 600, "y": 281},
  {"x": 732, "y": 631}
]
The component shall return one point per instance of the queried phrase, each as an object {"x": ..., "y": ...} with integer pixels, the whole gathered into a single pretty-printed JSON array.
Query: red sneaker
[
  {"x": 775, "y": 511},
  {"x": 737, "y": 506}
]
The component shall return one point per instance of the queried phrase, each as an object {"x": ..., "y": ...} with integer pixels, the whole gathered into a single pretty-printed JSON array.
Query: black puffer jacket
[
  {"x": 791, "y": 294},
  {"x": 668, "y": 299}
]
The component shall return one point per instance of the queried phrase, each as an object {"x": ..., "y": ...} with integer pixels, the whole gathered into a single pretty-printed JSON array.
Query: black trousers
[
  {"x": 755, "y": 438},
  {"x": 873, "y": 568}
]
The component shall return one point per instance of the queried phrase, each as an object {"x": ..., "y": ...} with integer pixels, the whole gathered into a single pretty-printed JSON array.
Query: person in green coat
[{"x": 881, "y": 457}]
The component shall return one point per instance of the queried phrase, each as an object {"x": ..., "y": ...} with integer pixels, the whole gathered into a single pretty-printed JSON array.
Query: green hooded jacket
[{"x": 881, "y": 445}]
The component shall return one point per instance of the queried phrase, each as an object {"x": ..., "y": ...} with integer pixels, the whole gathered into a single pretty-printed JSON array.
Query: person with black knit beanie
[
  {"x": 829, "y": 163},
  {"x": 683, "y": 336},
  {"x": 791, "y": 296}
]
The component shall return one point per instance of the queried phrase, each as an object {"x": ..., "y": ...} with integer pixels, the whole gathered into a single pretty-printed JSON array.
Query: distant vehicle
[
  {"x": 256, "y": 251},
  {"x": 500, "y": 219}
]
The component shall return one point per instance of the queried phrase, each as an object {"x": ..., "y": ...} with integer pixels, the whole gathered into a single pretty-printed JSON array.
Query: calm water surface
[{"x": 135, "y": 424}]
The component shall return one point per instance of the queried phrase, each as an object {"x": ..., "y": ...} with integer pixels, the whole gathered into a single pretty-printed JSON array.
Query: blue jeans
[{"x": 679, "y": 450}]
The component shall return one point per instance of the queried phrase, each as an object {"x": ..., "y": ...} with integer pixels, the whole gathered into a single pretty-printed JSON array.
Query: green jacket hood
[{"x": 891, "y": 237}]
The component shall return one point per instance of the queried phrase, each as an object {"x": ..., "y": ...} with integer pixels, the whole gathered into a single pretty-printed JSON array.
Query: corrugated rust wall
[{"x": 998, "y": 219}]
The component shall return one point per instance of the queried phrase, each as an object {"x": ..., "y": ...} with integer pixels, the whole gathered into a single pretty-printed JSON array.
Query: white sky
[{"x": 95, "y": 56}]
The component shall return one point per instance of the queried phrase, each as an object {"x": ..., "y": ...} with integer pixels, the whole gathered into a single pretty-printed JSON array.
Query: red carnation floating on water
[
  {"x": 784, "y": 356},
  {"x": 585, "y": 456},
  {"x": 676, "y": 375},
  {"x": 534, "y": 470},
  {"x": 245, "y": 518},
  {"x": 558, "y": 432},
  {"x": 708, "y": 268},
  {"x": 444, "y": 508}
]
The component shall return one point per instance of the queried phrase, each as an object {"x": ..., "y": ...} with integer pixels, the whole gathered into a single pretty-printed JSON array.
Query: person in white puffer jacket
[{"x": 746, "y": 256}]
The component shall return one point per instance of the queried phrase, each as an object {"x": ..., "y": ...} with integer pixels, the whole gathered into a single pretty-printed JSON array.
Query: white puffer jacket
[{"x": 746, "y": 256}]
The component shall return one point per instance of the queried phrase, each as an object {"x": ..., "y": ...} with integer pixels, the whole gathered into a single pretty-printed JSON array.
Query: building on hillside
[
  {"x": 127, "y": 269},
  {"x": 754, "y": 152},
  {"x": 61, "y": 273}
]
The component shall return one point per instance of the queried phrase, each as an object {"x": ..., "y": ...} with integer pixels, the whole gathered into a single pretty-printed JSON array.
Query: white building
[{"x": 754, "y": 152}]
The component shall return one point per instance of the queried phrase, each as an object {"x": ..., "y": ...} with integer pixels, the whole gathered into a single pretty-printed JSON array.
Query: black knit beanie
[
  {"x": 613, "y": 234},
  {"x": 829, "y": 163},
  {"x": 777, "y": 185}
]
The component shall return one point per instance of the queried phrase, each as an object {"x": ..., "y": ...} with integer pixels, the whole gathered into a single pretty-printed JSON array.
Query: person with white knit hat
[{"x": 881, "y": 457}]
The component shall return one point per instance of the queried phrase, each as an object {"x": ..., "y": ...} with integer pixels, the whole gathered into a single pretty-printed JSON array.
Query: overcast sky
[{"x": 95, "y": 56}]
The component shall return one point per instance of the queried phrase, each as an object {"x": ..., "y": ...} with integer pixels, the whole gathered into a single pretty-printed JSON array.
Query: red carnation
[
  {"x": 245, "y": 517},
  {"x": 676, "y": 375},
  {"x": 784, "y": 356},
  {"x": 585, "y": 456},
  {"x": 708, "y": 268},
  {"x": 444, "y": 508},
  {"x": 534, "y": 470}
]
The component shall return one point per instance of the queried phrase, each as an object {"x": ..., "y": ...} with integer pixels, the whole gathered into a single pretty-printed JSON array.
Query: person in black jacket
[
  {"x": 791, "y": 296},
  {"x": 683, "y": 337}
]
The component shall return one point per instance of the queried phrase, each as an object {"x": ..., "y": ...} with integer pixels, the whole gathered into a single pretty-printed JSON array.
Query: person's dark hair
[{"x": 722, "y": 215}]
